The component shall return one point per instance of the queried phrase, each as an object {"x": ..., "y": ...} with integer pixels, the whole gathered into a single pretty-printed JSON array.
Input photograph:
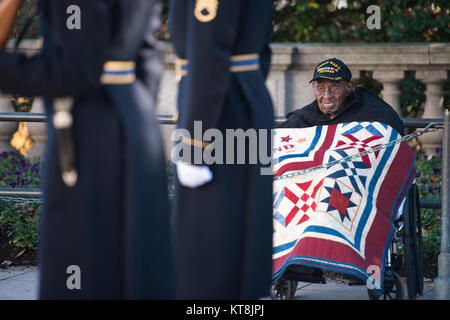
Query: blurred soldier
[
  {"x": 223, "y": 223},
  {"x": 104, "y": 227}
]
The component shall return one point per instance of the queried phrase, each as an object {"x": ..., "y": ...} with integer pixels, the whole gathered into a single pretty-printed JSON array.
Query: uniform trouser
[
  {"x": 223, "y": 230},
  {"x": 223, "y": 237}
]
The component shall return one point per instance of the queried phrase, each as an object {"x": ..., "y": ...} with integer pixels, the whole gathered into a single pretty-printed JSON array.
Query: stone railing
[{"x": 292, "y": 68}]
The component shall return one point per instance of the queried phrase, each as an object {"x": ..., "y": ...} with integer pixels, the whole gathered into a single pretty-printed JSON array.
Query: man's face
[{"x": 330, "y": 95}]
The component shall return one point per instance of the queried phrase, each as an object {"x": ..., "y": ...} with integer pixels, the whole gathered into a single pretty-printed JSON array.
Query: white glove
[{"x": 193, "y": 176}]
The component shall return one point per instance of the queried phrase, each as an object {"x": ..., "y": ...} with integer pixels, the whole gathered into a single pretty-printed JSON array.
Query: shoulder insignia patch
[{"x": 206, "y": 10}]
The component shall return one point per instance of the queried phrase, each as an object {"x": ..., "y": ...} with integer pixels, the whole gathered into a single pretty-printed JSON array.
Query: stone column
[
  {"x": 434, "y": 81},
  {"x": 298, "y": 89},
  {"x": 6, "y": 128},
  {"x": 442, "y": 282},
  {"x": 278, "y": 77},
  {"x": 391, "y": 86},
  {"x": 356, "y": 75},
  {"x": 38, "y": 131},
  {"x": 167, "y": 104}
]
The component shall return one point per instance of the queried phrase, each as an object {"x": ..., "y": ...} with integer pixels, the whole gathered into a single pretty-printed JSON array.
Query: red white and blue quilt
[{"x": 338, "y": 218}]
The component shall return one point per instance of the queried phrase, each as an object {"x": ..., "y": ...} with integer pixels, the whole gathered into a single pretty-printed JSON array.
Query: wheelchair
[{"x": 393, "y": 288}]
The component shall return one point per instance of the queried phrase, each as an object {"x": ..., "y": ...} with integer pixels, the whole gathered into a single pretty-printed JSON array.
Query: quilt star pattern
[{"x": 339, "y": 218}]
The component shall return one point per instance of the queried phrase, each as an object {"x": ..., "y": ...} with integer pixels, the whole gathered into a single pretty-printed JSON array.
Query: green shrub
[
  {"x": 412, "y": 99},
  {"x": 19, "y": 219},
  {"x": 20, "y": 223},
  {"x": 322, "y": 21},
  {"x": 429, "y": 182},
  {"x": 17, "y": 171}
]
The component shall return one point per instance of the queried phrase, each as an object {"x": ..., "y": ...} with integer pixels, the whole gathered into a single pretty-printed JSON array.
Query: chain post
[{"x": 442, "y": 282}]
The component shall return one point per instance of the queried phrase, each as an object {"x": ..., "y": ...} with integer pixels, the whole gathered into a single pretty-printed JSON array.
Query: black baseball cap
[{"x": 332, "y": 69}]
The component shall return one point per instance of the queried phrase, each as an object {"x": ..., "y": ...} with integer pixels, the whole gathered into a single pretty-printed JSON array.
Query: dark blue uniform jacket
[{"x": 223, "y": 230}]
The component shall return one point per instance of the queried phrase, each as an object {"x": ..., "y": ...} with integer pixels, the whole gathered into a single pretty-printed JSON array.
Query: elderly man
[{"x": 338, "y": 102}]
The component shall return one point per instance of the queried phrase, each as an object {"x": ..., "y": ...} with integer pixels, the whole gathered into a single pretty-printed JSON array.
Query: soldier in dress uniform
[
  {"x": 223, "y": 222},
  {"x": 104, "y": 227}
]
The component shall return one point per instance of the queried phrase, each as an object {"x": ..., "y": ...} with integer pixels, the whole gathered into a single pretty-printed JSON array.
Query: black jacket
[{"x": 360, "y": 105}]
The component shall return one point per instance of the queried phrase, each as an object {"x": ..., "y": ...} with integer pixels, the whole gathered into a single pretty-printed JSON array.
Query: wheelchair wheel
[
  {"x": 392, "y": 288},
  {"x": 284, "y": 289},
  {"x": 412, "y": 239}
]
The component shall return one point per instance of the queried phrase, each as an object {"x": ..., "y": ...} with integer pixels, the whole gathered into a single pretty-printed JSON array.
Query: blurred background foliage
[
  {"x": 339, "y": 21},
  {"x": 345, "y": 21},
  {"x": 329, "y": 21}
]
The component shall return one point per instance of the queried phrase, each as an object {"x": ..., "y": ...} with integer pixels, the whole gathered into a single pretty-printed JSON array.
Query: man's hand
[{"x": 192, "y": 176}]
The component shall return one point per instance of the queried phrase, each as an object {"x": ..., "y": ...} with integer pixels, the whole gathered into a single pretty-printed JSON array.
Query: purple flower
[
  {"x": 436, "y": 170},
  {"x": 4, "y": 154},
  {"x": 13, "y": 184},
  {"x": 437, "y": 150}
]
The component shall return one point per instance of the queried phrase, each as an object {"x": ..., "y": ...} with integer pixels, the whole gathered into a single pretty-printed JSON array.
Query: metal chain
[{"x": 431, "y": 127}]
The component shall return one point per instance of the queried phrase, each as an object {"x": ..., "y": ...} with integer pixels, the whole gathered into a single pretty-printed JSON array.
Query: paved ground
[
  {"x": 335, "y": 290},
  {"x": 21, "y": 283}
]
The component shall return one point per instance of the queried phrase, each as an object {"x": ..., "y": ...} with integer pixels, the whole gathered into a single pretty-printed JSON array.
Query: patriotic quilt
[{"x": 338, "y": 218}]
